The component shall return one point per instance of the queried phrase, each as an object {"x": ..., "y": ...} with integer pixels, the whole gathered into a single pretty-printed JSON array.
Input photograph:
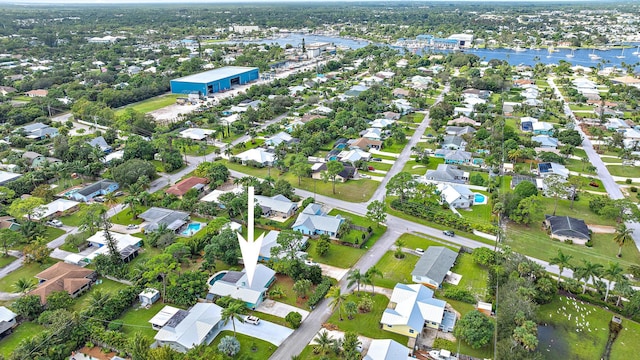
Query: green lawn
[
  {"x": 106, "y": 286},
  {"x": 412, "y": 118},
  {"x": 580, "y": 209},
  {"x": 6, "y": 260},
  {"x": 27, "y": 271},
  {"x": 136, "y": 319},
  {"x": 586, "y": 180},
  {"x": 339, "y": 255},
  {"x": 578, "y": 166},
  {"x": 74, "y": 219},
  {"x": 52, "y": 233},
  {"x": 611, "y": 160},
  {"x": 395, "y": 148},
  {"x": 196, "y": 150},
  {"x": 588, "y": 343},
  {"x": 413, "y": 167},
  {"x": 380, "y": 166},
  {"x": 626, "y": 171},
  {"x": 412, "y": 241},
  {"x": 307, "y": 353},
  {"x": 575, "y": 107},
  {"x": 125, "y": 217},
  {"x": 250, "y": 348},
  {"x": 395, "y": 270},
  {"x": 367, "y": 324},
  {"x": 152, "y": 104},
  {"x": 533, "y": 241},
  {"x": 474, "y": 279},
  {"x": 23, "y": 331},
  {"x": 271, "y": 318}
]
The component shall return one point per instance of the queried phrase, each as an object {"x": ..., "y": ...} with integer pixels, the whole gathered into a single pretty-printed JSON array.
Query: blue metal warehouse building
[{"x": 213, "y": 81}]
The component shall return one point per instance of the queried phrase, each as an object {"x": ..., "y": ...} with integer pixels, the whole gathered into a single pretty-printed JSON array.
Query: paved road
[{"x": 613, "y": 189}]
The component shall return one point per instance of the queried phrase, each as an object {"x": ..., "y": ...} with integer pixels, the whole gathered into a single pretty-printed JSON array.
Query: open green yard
[
  {"x": 396, "y": 148},
  {"x": 611, "y": 160},
  {"x": 412, "y": 241},
  {"x": 413, "y": 167},
  {"x": 578, "y": 166},
  {"x": 575, "y": 107},
  {"x": 589, "y": 342},
  {"x": 626, "y": 171},
  {"x": 474, "y": 279},
  {"x": 52, "y": 233},
  {"x": 105, "y": 286},
  {"x": 250, "y": 348},
  {"x": 125, "y": 217},
  {"x": 71, "y": 220},
  {"x": 412, "y": 118},
  {"x": 533, "y": 241},
  {"x": 27, "y": 271},
  {"x": 271, "y": 318},
  {"x": 341, "y": 256},
  {"x": 152, "y": 104},
  {"x": 307, "y": 353},
  {"x": 6, "y": 260},
  {"x": 395, "y": 270},
  {"x": 367, "y": 324},
  {"x": 136, "y": 319},
  {"x": 23, "y": 331},
  {"x": 580, "y": 209}
]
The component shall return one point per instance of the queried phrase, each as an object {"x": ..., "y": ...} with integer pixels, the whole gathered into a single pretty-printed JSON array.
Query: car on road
[
  {"x": 371, "y": 168},
  {"x": 54, "y": 222},
  {"x": 310, "y": 262},
  {"x": 449, "y": 233},
  {"x": 365, "y": 176},
  {"x": 419, "y": 251},
  {"x": 376, "y": 159},
  {"x": 132, "y": 226},
  {"x": 252, "y": 320}
]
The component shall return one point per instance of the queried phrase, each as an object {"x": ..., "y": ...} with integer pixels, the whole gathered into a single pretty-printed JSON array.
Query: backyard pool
[
  {"x": 191, "y": 229},
  {"x": 217, "y": 277},
  {"x": 479, "y": 199}
]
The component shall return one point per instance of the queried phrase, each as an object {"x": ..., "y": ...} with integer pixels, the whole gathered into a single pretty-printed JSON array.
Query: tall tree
[
  {"x": 622, "y": 236},
  {"x": 370, "y": 275},
  {"x": 233, "y": 312},
  {"x": 354, "y": 277},
  {"x": 588, "y": 271},
  {"x": 563, "y": 261},
  {"x": 555, "y": 187},
  {"x": 376, "y": 212},
  {"x": 337, "y": 299},
  {"x": 333, "y": 169},
  {"x": 28, "y": 207},
  {"x": 613, "y": 273},
  {"x": 24, "y": 285},
  {"x": 110, "y": 241},
  {"x": 399, "y": 184}
]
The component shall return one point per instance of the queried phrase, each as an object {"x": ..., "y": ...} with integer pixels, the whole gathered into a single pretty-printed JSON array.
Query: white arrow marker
[{"x": 250, "y": 249}]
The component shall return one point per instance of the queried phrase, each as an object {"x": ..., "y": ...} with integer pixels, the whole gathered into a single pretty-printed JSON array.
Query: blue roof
[{"x": 216, "y": 74}]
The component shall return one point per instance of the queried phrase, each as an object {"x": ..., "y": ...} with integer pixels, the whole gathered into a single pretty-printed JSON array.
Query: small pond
[{"x": 551, "y": 344}]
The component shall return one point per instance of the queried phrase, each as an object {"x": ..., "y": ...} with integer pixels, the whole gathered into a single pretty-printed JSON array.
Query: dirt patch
[{"x": 602, "y": 229}]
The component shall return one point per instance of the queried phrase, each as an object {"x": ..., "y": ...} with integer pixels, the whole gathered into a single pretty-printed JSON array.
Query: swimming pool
[
  {"x": 192, "y": 228},
  {"x": 479, "y": 199},
  {"x": 217, "y": 277}
]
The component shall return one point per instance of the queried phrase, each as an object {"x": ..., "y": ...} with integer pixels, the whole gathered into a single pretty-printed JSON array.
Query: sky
[{"x": 106, "y": 2}]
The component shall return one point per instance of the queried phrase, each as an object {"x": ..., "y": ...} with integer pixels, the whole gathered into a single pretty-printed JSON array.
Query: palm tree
[
  {"x": 24, "y": 285},
  {"x": 132, "y": 201},
  {"x": 370, "y": 274},
  {"x": 589, "y": 271},
  {"x": 354, "y": 277},
  {"x": 350, "y": 308},
  {"x": 613, "y": 273},
  {"x": 338, "y": 298},
  {"x": 623, "y": 289},
  {"x": 233, "y": 312},
  {"x": 563, "y": 261},
  {"x": 623, "y": 235},
  {"x": 98, "y": 299},
  {"x": 110, "y": 199},
  {"x": 324, "y": 341}
]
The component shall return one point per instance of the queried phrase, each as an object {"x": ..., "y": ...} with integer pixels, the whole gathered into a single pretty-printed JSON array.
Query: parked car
[
  {"x": 132, "y": 226},
  {"x": 376, "y": 159},
  {"x": 419, "y": 251},
  {"x": 54, "y": 222},
  {"x": 449, "y": 233},
  {"x": 371, "y": 168},
  {"x": 252, "y": 320},
  {"x": 310, "y": 262},
  {"x": 365, "y": 176},
  {"x": 118, "y": 193},
  {"x": 98, "y": 199}
]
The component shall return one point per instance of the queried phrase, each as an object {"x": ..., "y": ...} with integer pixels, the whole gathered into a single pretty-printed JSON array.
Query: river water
[{"x": 525, "y": 57}]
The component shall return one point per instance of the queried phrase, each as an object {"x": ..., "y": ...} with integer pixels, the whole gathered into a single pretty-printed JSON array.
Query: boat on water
[
  {"x": 519, "y": 49},
  {"x": 551, "y": 50},
  {"x": 621, "y": 56},
  {"x": 594, "y": 56},
  {"x": 637, "y": 52},
  {"x": 570, "y": 55}
]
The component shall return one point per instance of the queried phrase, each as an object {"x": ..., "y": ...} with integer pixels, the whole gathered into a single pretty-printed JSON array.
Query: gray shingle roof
[
  {"x": 568, "y": 226},
  {"x": 435, "y": 263}
]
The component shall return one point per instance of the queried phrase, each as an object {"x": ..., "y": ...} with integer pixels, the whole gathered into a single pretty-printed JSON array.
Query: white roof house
[
  {"x": 124, "y": 242},
  {"x": 387, "y": 349},
  {"x": 354, "y": 155},
  {"x": 279, "y": 138},
  {"x": 277, "y": 203},
  {"x": 456, "y": 196},
  {"x": 270, "y": 240},
  {"x": 414, "y": 307},
  {"x": 236, "y": 285},
  {"x": 196, "y": 133},
  {"x": 54, "y": 207},
  {"x": 258, "y": 155},
  {"x": 542, "y": 126},
  {"x": 7, "y": 319},
  {"x": 372, "y": 133},
  {"x": 163, "y": 316},
  {"x": 215, "y": 194},
  {"x": 381, "y": 123},
  {"x": 199, "y": 326}
]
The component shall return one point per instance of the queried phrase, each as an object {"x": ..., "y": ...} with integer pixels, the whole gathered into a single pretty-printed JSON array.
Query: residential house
[
  {"x": 276, "y": 206},
  {"x": 400, "y": 93},
  {"x": 270, "y": 240},
  {"x": 348, "y": 172},
  {"x": 236, "y": 285},
  {"x": 372, "y": 134},
  {"x": 313, "y": 221},
  {"x": 37, "y": 93},
  {"x": 148, "y": 296},
  {"x": 214, "y": 195},
  {"x": 38, "y": 131},
  {"x": 183, "y": 186},
  {"x": 542, "y": 128},
  {"x": 6, "y": 90},
  {"x": 56, "y": 208},
  {"x": 390, "y": 115},
  {"x": 567, "y": 229},
  {"x": 526, "y": 123},
  {"x": 7, "y": 177},
  {"x": 551, "y": 168},
  {"x": 387, "y": 349},
  {"x": 459, "y": 130},
  {"x": 517, "y": 179},
  {"x": 509, "y": 107},
  {"x": 381, "y": 123},
  {"x": 463, "y": 120},
  {"x": 98, "y": 188},
  {"x": 433, "y": 266},
  {"x": 453, "y": 142},
  {"x": 155, "y": 217},
  {"x": 455, "y": 157},
  {"x": 63, "y": 277},
  {"x": 9, "y": 222},
  {"x": 258, "y": 155},
  {"x": 7, "y": 321},
  {"x": 322, "y": 110},
  {"x": 403, "y": 106},
  {"x": 354, "y": 155},
  {"x": 199, "y": 326},
  {"x": 456, "y": 196},
  {"x": 34, "y": 159},
  {"x": 280, "y": 138},
  {"x": 101, "y": 144},
  {"x": 167, "y": 315},
  {"x": 464, "y": 111},
  {"x": 128, "y": 246},
  {"x": 197, "y": 134},
  {"x": 480, "y": 94},
  {"x": 419, "y": 82},
  {"x": 365, "y": 144},
  {"x": 545, "y": 141},
  {"x": 356, "y": 90},
  {"x": 412, "y": 308},
  {"x": 616, "y": 124},
  {"x": 447, "y": 173},
  {"x": 402, "y": 63}
]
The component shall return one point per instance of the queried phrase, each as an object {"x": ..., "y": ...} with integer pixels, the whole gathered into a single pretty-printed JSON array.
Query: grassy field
[
  {"x": 136, "y": 319},
  {"x": 27, "y": 271},
  {"x": 23, "y": 331},
  {"x": 367, "y": 324},
  {"x": 271, "y": 318},
  {"x": 106, "y": 286},
  {"x": 578, "y": 166},
  {"x": 395, "y": 270},
  {"x": 580, "y": 210},
  {"x": 250, "y": 348},
  {"x": 307, "y": 353},
  {"x": 125, "y": 217},
  {"x": 412, "y": 241},
  {"x": 152, "y": 104},
  {"x": 413, "y": 167},
  {"x": 575, "y": 107},
  {"x": 626, "y": 171},
  {"x": 395, "y": 148},
  {"x": 339, "y": 255},
  {"x": 71, "y": 220},
  {"x": 6, "y": 260},
  {"x": 52, "y": 233},
  {"x": 290, "y": 297},
  {"x": 474, "y": 279},
  {"x": 564, "y": 315},
  {"x": 535, "y": 242}
]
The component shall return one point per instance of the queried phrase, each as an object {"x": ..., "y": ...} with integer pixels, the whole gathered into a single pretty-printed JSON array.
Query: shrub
[
  {"x": 321, "y": 290},
  {"x": 456, "y": 293},
  {"x": 115, "y": 325},
  {"x": 366, "y": 304},
  {"x": 444, "y": 344},
  {"x": 633, "y": 189},
  {"x": 294, "y": 319},
  {"x": 484, "y": 256},
  {"x": 628, "y": 181},
  {"x": 589, "y": 243},
  {"x": 229, "y": 346}
]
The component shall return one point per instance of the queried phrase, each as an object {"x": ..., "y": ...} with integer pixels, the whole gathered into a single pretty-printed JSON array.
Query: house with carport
[
  {"x": 433, "y": 266},
  {"x": 276, "y": 206},
  {"x": 98, "y": 188},
  {"x": 199, "y": 326},
  {"x": 313, "y": 221},
  {"x": 236, "y": 285}
]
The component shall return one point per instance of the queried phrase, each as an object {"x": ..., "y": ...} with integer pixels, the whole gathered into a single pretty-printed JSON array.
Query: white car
[
  {"x": 252, "y": 320},
  {"x": 310, "y": 262},
  {"x": 132, "y": 226},
  {"x": 55, "y": 222},
  {"x": 365, "y": 176},
  {"x": 419, "y": 251}
]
